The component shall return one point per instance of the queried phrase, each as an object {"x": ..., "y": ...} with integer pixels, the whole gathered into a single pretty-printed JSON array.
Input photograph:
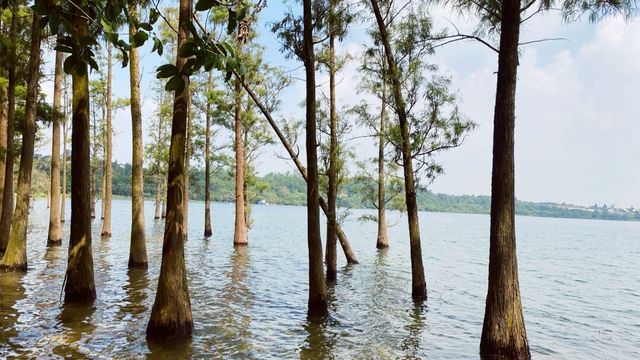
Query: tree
[
  {"x": 108, "y": 151},
  {"x": 15, "y": 256},
  {"x": 207, "y": 161},
  {"x": 54, "y": 237}
]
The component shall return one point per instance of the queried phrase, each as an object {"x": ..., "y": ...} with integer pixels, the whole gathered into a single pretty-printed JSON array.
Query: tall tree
[
  {"x": 15, "y": 256},
  {"x": 108, "y": 151},
  {"x": 207, "y": 161},
  {"x": 65, "y": 130},
  {"x": 54, "y": 237},
  {"x": 240, "y": 236}
]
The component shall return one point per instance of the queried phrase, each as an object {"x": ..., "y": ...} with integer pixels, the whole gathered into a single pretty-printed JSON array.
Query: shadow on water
[
  {"x": 319, "y": 342},
  {"x": 11, "y": 291},
  {"x": 411, "y": 344},
  {"x": 76, "y": 322}
]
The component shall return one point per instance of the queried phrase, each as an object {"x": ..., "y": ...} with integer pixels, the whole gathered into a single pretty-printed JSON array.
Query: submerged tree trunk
[
  {"x": 503, "y": 331},
  {"x": 15, "y": 256},
  {"x": 156, "y": 214},
  {"x": 332, "y": 193},
  {"x": 383, "y": 239},
  {"x": 80, "y": 286},
  {"x": 171, "y": 313},
  {"x": 7, "y": 198},
  {"x": 207, "y": 167},
  {"x": 317, "y": 305},
  {"x": 342, "y": 237},
  {"x": 240, "y": 232},
  {"x": 418, "y": 283},
  {"x": 138, "y": 247},
  {"x": 54, "y": 237},
  {"x": 108, "y": 151}
]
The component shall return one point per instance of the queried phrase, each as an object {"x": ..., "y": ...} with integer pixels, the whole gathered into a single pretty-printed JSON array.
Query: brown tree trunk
[
  {"x": 383, "y": 239},
  {"x": 317, "y": 305},
  {"x": 80, "y": 286},
  {"x": 342, "y": 237},
  {"x": 503, "y": 331},
  {"x": 94, "y": 164},
  {"x": 240, "y": 232},
  {"x": 63, "y": 197},
  {"x": 332, "y": 193},
  {"x": 156, "y": 214},
  {"x": 418, "y": 283},
  {"x": 108, "y": 167},
  {"x": 164, "y": 207},
  {"x": 4, "y": 109},
  {"x": 187, "y": 158},
  {"x": 54, "y": 237},
  {"x": 138, "y": 248},
  {"x": 207, "y": 167},
  {"x": 15, "y": 256},
  {"x": 171, "y": 313},
  {"x": 7, "y": 198}
]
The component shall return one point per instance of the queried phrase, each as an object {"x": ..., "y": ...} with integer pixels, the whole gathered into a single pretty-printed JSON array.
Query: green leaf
[
  {"x": 69, "y": 63},
  {"x": 233, "y": 23},
  {"x": 63, "y": 48},
  {"x": 88, "y": 40},
  {"x": 176, "y": 83},
  {"x": 153, "y": 15},
  {"x": 140, "y": 38},
  {"x": 242, "y": 69},
  {"x": 204, "y": 5},
  {"x": 145, "y": 26},
  {"x": 188, "y": 48},
  {"x": 165, "y": 71}
]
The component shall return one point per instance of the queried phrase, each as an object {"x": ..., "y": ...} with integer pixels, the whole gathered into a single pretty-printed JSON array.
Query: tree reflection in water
[
  {"x": 11, "y": 291},
  {"x": 411, "y": 343}
]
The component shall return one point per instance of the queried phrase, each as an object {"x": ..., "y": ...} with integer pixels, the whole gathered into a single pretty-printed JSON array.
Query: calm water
[{"x": 580, "y": 284}]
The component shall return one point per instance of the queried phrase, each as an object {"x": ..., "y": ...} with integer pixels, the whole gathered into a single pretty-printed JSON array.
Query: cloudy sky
[{"x": 577, "y": 128}]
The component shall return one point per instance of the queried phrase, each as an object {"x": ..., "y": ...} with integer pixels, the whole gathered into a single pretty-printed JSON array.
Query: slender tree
[
  {"x": 108, "y": 152},
  {"x": 207, "y": 161},
  {"x": 54, "y": 237},
  {"x": 65, "y": 129},
  {"x": 240, "y": 229}
]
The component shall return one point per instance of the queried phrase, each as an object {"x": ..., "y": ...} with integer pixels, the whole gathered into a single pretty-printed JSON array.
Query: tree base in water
[
  {"x": 138, "y": 265},
  {"x": 57, "y": 242},
  {"x": 240, "y": 243},
  {"x": 208, "y": 233},
  {"x": 317, "y": 309},
  {"x": 79, "y": 296},
  {"x": 419, "y": 292},
  {"x": 13, "y": 268},
  {"x": 492, "y": 351},
  {"x": 105, "y": 234},
  {"x": 168, "y": 329}
]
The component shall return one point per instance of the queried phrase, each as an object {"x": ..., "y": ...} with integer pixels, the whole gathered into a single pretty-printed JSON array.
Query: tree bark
[
  {"x": 187, "y": 158},
  {"x": 15, "y": 256},
  {"x": 418, "y": 283},
  {"x": 207, "y": 167},
  {"x": 171, "y": 313},
  {"x": 383, "y": 239},
  {"x": 156, "y": 214},
  {"x": 7, "y": 198},
  {"x": 108, "y": 152},
  {"x": 54, "y": 237},
  {"x": 80, "y": 285},
  {"x": 503, "y": 331},
  {"x": 63, "y": 197},
  {"x": 4, "y": 109},
  {"x": 240, "y": 229},
  {"x": 138, "y": 248},
  {"x": 342, "y": 237},
  {"x": 332, "y": 193},
  {"x": 317, "y": 305}
]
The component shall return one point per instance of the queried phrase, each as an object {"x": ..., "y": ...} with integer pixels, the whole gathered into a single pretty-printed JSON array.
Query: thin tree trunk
[
  {"x": 138, "y": 248},
  {"x": 171, "y": 313},
  {"x": 317, "y": 304},
  {"x": 187, "y": 158},
  {"x": 108, "y": 167},
  {"x": 207, "y": 167},
  {"x": 418, "y": 283},
  {"x": 503, "y": 331},
  {"x": 63, "y": 197},
  {"x": 342, "y": 237},
  {"x": 164, "y": 206},
  {"x": 80, "y": 286},
  {"x": 4, "y": 109},
  {"x": 332, "y": 194},
  {"x": 7, "y": 198},
  {"x": 54, "y": 237},
  {"x": 15, "y": 257},
  {"x": 383, "y": 239},
  {"x": 156, "y": 215},
  {"x": 94, "y": 164},
  {"x": 240, "y": 232}
]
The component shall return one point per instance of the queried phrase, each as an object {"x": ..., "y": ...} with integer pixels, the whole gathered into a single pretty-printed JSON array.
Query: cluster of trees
[{"x": 215, "y": 72}]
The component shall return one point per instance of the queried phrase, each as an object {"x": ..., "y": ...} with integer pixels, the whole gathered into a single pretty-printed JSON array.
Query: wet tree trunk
[
  {"x": 503, "y": 331},
  {"x": 187, "y": 158},
  {"x": 156, "y": 214},
  {"x": 15, "y": 256},
  {"x": 7, "y": 198},
  {"x": 418, "y": 283},
  {"x": 342, "y": 237},
  {"x": 207, "y": 166},
  {"x": 80, "y": 285},
  {"x": 164, "y": 206},
  {"x": 54, "y": 237},
  {"x": 108, "y": 151},
  {"x": 317, "y": 305},
  {"x": 240, "y": 233},
  {"x": 94, "y": 164},
  {"x": 63, "y": 197},
  {"x": 332, "y": 193},
  {"x": 171, "y": 313},
  {"x": 4, "y": 109},
  {"x": 383, "y": 240},
  {"x": 138, "y": 248}
]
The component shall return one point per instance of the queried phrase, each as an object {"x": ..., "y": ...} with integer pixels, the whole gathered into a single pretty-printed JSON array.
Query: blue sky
[{"x": 577, "y": 110}]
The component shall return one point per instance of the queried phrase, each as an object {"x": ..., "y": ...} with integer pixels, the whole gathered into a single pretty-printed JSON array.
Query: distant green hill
[{"x": 290, "y": 189}]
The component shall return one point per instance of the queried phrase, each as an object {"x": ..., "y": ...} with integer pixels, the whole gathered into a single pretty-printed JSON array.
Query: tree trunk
[
  {"x": 4, "y": 109},
  {"x": 240, "y": 232},
  {"x": 108, "y": 167},
  {"x": 171, "y": 313},
  {"x": 156, "y": 214},
  {"x": 138, "y": 248},
  {"x": 383, "y": 239},
  {"x": 80, "y": 286},
  {"x": 207, "y": 167},
  {"x": 503, "y": 331},
  {"x": 94, "y": 164},
  {"x": 63, "y": 197},
  {"x": 55, "y": 231},
  {"x": 342, "y": 237},
  {"x": 418, "y": 283},
  {"x": 332, "y": 193},
  {"x": 164, "y": 207},
  {"x": 15, "y": 257},
  {"x": 317, "y": 305},
  {"x": 187, "y": 158},
  {"x": 7, "y": 198}
]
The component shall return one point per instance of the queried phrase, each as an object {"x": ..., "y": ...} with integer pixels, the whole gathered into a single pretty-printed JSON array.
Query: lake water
[{"x": 580, "y": 283}]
